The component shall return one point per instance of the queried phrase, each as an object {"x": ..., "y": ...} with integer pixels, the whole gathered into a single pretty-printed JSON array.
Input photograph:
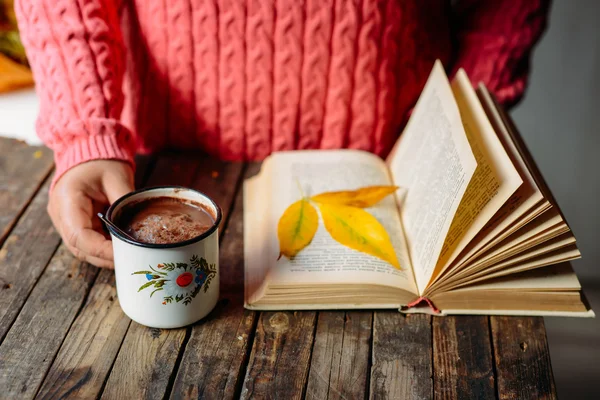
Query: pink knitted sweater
[{"x": 239, "y": 79}]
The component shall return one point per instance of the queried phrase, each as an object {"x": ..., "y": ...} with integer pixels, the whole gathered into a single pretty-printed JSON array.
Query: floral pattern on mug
[{"x": 180, "y": 282}]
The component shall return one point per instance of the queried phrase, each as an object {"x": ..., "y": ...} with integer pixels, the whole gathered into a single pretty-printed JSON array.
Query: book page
[
  {"x": 433, "y": 161},
  {"x": 324, "y": 260},
  {"x": 565, "y": 254},
  {"x": 495, "y": 180},
  {"x": 523, "y": 205},
  {"x": 554, "y": 277},
  {"x": 561, "y": 242},
  {"x": 543, "y": 228}
]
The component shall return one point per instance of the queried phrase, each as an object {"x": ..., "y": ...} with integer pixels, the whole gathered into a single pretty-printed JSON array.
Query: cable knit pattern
[
  {"x": 239, "y": 79},
  {"x": 341, "y": 70},
  {"x": 80, "y": 63},
  {"x": 315, "y": 69},
  {"x": 289, "y": 26},
  {"x": 180, "y": 59},
  {"x": 232, "y": 78},
  {"x": 259, "y": 66},
  {"x": 495, "y": 43},
  {"x": 205, "y": 35},
  {"x": 387, "y": 84},
  {"x": 153, "y": 28},
  {"x": 364, "y": 102}
]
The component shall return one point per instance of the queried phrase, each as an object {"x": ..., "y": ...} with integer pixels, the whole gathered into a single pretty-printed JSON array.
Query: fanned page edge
[{"x": 533, "y": 169}]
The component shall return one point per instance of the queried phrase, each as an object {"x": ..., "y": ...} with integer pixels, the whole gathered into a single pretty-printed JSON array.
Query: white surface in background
[{"x": 18, "y": 112}]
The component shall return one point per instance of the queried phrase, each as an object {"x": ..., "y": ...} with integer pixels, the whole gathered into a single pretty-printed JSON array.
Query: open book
[{"x": 474, "y": 227}]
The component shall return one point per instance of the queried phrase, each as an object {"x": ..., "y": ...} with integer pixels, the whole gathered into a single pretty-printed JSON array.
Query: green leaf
[
  {"x": 158, "y": 272},
  {"x": 142, "y": 273},
  {"x": 155, "y": 290},
  {"x": 145, "y": 285}
]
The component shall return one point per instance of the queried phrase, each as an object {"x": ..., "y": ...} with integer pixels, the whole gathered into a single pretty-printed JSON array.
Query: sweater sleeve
[
  {"x": 494, "y": 42},
  {"x": 76, "y": 52}
]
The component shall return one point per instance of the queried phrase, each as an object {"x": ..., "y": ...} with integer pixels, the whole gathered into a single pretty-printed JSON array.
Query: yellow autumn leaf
[
  {"x": 297, "y": 227},
  {"x": 359, "y": 230},
  {"x": 363, "y": 197}
]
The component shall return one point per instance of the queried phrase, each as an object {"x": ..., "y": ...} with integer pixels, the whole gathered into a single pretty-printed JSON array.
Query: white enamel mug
[{"x": 167, "y": 285}]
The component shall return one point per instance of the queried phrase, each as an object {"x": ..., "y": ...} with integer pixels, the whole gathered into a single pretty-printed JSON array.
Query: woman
[{"x": 242, "y": 78}]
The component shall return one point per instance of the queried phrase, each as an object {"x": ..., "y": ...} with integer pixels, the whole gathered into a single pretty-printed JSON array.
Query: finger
[
  {"x": 93, "y": 244},
  {"x": 76, "y": 228},
  {"x": 98, "y": 262},
  {"x": 116, "y": 187}
]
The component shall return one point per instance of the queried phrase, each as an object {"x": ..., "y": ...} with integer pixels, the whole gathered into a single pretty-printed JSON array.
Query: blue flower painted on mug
[
  {"x": 180, "y": 282},
  {"x": 200, "y": 277}
]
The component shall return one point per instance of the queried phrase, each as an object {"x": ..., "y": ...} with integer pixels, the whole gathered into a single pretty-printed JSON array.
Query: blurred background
[{"x": 559, "y": 120}]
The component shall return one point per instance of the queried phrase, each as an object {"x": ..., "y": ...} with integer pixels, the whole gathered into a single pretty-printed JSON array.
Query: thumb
[{"x": 117, "y": 185}]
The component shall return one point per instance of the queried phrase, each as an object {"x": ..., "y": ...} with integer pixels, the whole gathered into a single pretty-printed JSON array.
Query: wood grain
[
  {"x": 281, "y": 350},
  {"x": 20, "y": 267},
  {"x": 523, "y": 367},
  {"x": 217, "y": 352},
  {"x": 341, "y": 356},
  {"x": 145, "y": 363},
  {"x": 280, "y": 358},
  {"x": 23, "y": 169},
  {"x": 218, "y": 180},
  {"x": 88, "y": 352},
  {"x": 402, "y": 357},
  {"x": 462, "y": 358},
  {"x": 33, "y": 341}
]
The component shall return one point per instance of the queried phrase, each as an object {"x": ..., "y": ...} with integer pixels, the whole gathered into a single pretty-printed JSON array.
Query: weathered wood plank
[
  {"x": 280, "y": 358},
  {"x": 23, "y": 169},
  {"x": 523, "y": 367},
  {"x": 34, "y": 339},
  {"x": 462, "y": 358},
  {"x": 281, "y": 350},
  {"x": 340, "y": 357},
  {"x": 20, "y": 267},
  {"x": 218, "y": 180},
  {"x": 145, "y": 363},
  {"x": 88, "y": 352},
  {"x": 215, "y": 356},
  {"x": 402, "y": 367}
]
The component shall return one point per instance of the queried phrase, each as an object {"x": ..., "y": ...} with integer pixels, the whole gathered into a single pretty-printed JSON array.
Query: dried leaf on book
[
  {"x": 297, "y": 227},
  {"x": 344, "y": 219},
  {"x": 363, "y": 197},
  {"x": 359, "y": 230}
]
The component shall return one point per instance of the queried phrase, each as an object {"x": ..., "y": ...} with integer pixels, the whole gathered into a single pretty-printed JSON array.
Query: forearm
[
  {"x": 494, "y": 41},
  {"x": 76, "y": 52}
]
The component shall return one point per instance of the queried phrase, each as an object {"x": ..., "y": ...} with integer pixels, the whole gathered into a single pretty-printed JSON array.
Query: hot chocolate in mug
[{"x": 167, "y": 285}]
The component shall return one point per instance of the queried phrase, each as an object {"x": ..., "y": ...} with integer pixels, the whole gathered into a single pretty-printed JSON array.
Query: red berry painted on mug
[{"x": 184, "y": 279}]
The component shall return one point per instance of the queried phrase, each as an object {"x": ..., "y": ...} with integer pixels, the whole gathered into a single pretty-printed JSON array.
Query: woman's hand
[{"x": 79, "y": 194}]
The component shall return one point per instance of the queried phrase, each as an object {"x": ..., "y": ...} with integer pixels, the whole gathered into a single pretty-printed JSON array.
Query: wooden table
[{"x": 63, "y": 334}]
